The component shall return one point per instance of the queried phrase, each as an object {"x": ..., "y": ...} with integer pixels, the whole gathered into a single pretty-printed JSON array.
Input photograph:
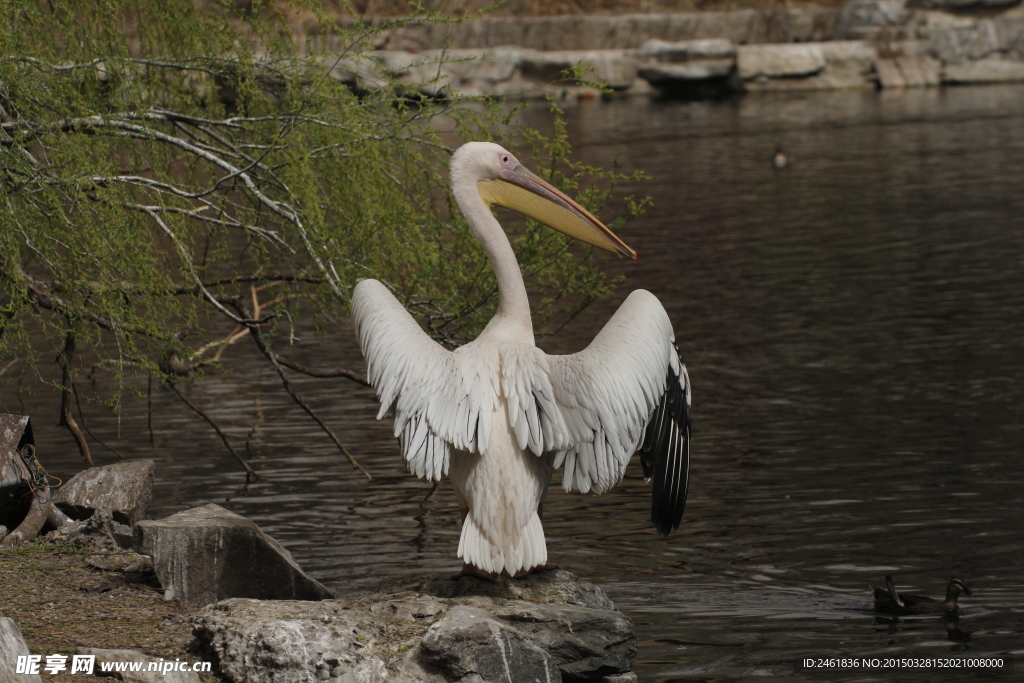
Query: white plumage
[{"x": 498, "y": 415}]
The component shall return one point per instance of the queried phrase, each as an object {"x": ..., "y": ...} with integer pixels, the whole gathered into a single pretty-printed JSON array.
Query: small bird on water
[
  {"x": 780, "y": 159},
  {"x": 887, "y": 599}
]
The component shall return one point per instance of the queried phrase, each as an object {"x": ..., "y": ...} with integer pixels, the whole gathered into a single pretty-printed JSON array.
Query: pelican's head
[{"x": 501, "y": 180}]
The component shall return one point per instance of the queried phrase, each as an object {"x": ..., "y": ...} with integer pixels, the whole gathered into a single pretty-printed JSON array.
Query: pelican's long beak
[{"x": 520, "y": 190}]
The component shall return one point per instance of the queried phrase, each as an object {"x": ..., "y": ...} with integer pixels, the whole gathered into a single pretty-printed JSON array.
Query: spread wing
[
  {"x": 439, "y": 401},
  {"x": 627, "y": 392}
]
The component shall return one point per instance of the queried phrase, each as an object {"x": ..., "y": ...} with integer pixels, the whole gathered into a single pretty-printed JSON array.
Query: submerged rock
[
  {"x": 124, "y": 488},
  {"x": 550, "y": 626},
  {"x": 207, "y": 554}
]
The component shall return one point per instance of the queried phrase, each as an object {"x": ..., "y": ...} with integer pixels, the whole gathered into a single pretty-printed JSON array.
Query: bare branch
[
  {"x": 65, "y": 359},
  {"x": 326, "y": 374}
]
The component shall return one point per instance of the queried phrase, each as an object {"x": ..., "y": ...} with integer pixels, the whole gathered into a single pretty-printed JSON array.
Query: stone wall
[{"x": 866, "y": 44}]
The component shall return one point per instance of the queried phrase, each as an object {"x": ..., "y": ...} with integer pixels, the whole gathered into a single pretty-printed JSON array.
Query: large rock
[
  {"x": 779, "y": 61},
  {"x": 207, "y": 554},
  {"x": 821, "y": 66},
  {"x": 163, "y": 674},
  {"x": 666, "y": 64},
  {"x": 254, "y": 641},
  {"x": 12, "y": 646},
  {"x": 124, "y": 488},
  {"x": 548, "y": 627},
  {"x": 469, "y": 641}
]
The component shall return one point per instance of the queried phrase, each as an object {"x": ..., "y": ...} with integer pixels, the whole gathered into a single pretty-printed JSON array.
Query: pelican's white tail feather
[{"x": 530, "y": 549}]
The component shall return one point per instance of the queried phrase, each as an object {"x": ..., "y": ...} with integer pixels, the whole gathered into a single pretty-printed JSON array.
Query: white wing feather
[
  {"x": 533, "y": 410},
  {"x": 439, "y": 401},
  {"x": 608, "y": 392}
]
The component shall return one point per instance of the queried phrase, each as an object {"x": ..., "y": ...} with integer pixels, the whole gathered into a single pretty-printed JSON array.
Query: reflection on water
[{"x": 854, "y": 330}]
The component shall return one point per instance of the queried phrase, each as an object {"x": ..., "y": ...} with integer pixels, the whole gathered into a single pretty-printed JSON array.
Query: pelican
[{"x": 498, "y": 415}]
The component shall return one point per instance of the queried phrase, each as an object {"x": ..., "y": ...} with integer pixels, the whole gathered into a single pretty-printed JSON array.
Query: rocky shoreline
[
  {"x": 257, "y": 617},
  {"x": 866, "y": 44}
]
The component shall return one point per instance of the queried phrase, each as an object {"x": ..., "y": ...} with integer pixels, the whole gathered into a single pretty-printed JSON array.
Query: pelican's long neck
[{"x": 513, "y": 315}]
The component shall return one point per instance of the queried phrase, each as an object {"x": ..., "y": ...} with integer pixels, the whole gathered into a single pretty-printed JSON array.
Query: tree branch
[
  {"x": 325, "y": 374},
  {"x": 65, "y": 359}
]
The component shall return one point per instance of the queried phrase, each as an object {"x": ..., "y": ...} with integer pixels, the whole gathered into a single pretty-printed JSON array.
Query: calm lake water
[{"x": 854, "y": 330}]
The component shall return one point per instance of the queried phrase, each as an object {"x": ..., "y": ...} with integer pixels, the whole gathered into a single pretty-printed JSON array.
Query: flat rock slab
[
  {"x": 548, "y": 627},
  {"x": 207, "y": 554},
  {"x": 124, "y": 488},
  {"x": 12, "y": 646},
  {"x": 162, "y": 675}
]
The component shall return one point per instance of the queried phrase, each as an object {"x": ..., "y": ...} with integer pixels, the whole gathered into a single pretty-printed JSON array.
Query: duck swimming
[{"x": 889, "y": 600}]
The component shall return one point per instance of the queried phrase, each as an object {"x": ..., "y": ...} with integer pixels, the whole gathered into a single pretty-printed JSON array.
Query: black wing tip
[
  {"x": 666, "y": 456},
  {"x": 666, "y": 527}
]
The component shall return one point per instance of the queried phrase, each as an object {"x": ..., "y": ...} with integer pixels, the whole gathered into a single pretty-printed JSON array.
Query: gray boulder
[
  {"x": 157, "y": 676},
  {"x": 549, "y": 626},
  {"x": 12, "y": 646},
  {"x": 124, "y": 488},
  {"x": 470, "y": 641},
  {"x": 666, "y": 64},
  {"x": 599, "y": 642},
  {"x": 256, "y": 641},
  {"x": 207, "y": 554},
  {"x": 779, "y": 61},
  {"x": 829, "y": 65}
]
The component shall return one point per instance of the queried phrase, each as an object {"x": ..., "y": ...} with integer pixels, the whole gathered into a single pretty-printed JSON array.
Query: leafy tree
[{"x": 175, "y": 179}]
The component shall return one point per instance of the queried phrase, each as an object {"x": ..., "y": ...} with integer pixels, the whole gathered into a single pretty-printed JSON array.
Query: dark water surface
[{"x": 854, "y": 330}]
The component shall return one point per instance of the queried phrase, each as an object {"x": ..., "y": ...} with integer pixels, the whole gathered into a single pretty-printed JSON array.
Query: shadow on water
[{"x": 854, "y": 329}]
